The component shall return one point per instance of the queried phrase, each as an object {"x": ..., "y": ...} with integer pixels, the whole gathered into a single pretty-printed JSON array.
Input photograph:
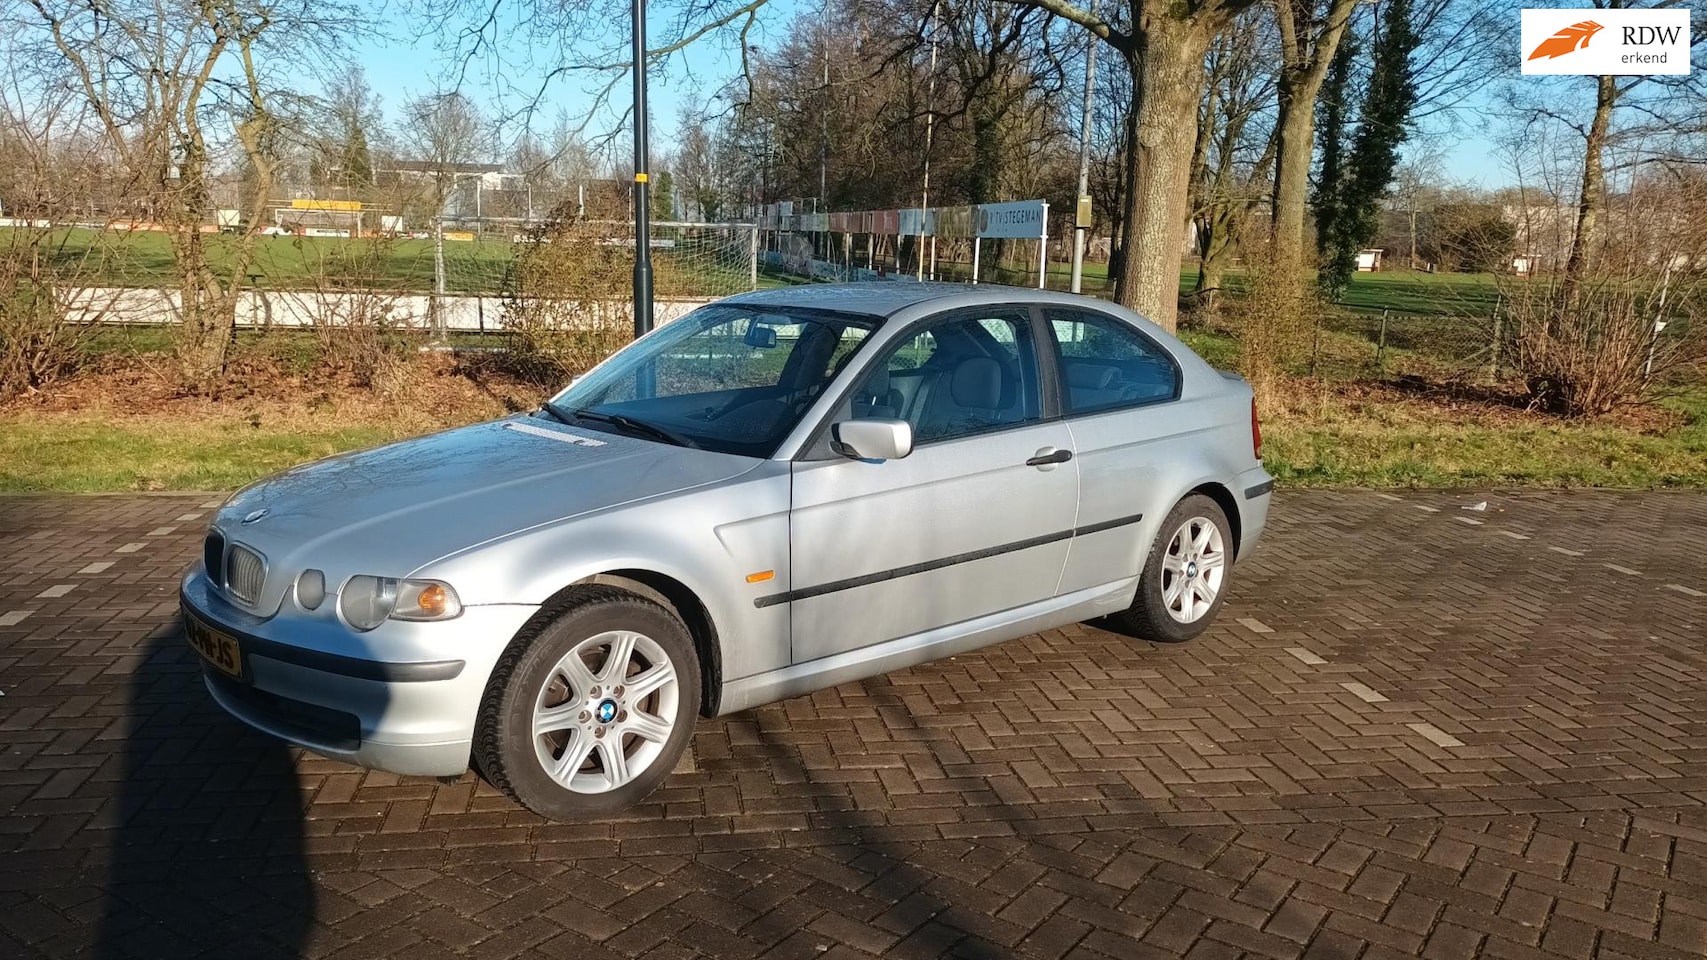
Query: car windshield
[{"x": 727, "y": 377}]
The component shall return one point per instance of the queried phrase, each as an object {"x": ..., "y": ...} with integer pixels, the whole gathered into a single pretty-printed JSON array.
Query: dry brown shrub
[
  {"x": 1273, "y": 322},
  {"x": 570, "y": 298},
  {"x": 39, "y": 343},
  {"x": 1614, "y": 330},
  {"x": 1587, "y": 349},
  {"x": 357, "y": 324}
]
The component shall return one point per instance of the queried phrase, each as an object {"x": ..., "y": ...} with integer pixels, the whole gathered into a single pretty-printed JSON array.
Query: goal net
[{"x": 580, "y": 273}]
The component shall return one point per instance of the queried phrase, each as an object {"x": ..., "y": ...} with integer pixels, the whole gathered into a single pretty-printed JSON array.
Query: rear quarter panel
[{"x": 1145, "y": 459}]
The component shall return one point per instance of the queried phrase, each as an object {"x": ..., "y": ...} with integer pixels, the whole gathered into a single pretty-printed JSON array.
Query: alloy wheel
[
  {"x": 1193, "y": 570},
  {"x": 605, "y": 711}
]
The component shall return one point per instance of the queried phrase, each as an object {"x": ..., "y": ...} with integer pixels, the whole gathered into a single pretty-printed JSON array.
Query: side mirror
[
  {"x": 872, "y": 439},
  {"x": 759, "y": 336}
]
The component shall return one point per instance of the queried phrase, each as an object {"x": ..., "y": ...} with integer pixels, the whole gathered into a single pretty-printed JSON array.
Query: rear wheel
[
  {"x": 590, "y": 714},
  {"x": 1186, "y": 575}
]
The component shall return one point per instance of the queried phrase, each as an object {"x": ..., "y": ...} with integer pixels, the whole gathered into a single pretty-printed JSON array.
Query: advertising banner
[
  {"x": 915, "y": 222},
  {"x": 1022, "y": 219},
  {"x": 954, "y": 222}
]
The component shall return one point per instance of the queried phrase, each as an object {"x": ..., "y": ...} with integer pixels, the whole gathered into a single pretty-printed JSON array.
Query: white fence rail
[{"x": 306, "y": 308}]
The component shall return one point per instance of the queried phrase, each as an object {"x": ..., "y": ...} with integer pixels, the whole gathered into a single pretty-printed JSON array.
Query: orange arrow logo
[{"x": 1569, "y": 40}]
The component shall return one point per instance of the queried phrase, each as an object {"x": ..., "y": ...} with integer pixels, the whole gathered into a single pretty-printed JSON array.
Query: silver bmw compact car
[{"x": 779, "y": 492}]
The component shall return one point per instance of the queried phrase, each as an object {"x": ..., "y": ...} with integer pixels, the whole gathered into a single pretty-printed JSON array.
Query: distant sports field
[{"x": 482, "y": 266}]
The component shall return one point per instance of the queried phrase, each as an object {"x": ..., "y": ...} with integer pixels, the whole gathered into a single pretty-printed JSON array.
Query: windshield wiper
[
  {"x": 557, "y": 413},
  {"x": 636, "y": 426}
]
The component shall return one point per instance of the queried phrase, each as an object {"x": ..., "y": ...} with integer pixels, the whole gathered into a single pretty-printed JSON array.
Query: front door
[{"x": 975, "y": 522}]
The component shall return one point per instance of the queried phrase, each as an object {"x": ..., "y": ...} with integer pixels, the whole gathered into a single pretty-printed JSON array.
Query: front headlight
[{"x": 366, "y": 602}]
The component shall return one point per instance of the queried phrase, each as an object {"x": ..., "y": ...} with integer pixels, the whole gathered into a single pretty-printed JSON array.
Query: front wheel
[
  {"x": 1186, "y": 575},
  {"x": 591, "y": 713}
]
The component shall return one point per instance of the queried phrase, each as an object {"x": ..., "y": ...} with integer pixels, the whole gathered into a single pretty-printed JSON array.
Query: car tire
[
  {"x": 1193, "y": 551},
  {"x": 588, "y": 712}
]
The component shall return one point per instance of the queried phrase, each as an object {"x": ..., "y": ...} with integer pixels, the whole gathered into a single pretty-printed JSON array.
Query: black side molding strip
[
  {"x": 836, "y": 586},
  {"x": 1251, "y": 493}
]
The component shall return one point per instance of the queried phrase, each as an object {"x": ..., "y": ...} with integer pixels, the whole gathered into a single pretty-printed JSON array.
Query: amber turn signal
[{"x": 433, "y": 600}]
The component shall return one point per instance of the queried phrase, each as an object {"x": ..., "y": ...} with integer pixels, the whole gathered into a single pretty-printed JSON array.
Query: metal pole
[
  {"x": 1659, "y": 320},
  {"x": 930, "y": 128},
  {"x": 642, "y": 212},
  {"x": 1082, "y": 218},
  {"x": 1494, "y": 346},
  {"x": 753, "y": 267},
  {"x": 977, "y": 248},
  {"x": 439, "y": 271},
  {"x": 824, "y": 138},
  {"x": 1043, "y": 250}
]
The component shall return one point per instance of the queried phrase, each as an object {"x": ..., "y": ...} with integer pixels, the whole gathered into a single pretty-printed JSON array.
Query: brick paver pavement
[{"x": 1416, "y": 731}]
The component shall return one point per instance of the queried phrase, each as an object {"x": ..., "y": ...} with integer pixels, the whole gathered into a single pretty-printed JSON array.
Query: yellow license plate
[{"x": 215, "y": 647}]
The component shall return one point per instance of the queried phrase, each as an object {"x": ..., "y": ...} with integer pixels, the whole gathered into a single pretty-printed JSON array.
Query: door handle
[{"x": 1047, "y": 456}]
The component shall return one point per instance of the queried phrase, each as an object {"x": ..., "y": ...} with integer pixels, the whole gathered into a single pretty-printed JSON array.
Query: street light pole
[
  {"x": 642, "y": 211},
  {"x": 930, "y": 130},
  {"x": 1082, "y": 215}
]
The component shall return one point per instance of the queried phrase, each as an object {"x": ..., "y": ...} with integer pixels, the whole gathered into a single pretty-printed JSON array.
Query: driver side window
[{"x": 955, "y": 377}]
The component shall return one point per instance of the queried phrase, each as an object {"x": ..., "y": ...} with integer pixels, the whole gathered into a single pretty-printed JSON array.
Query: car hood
[{"x": 391, "y": 510}]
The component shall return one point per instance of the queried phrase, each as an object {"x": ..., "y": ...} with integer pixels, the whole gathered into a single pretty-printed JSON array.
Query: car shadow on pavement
[{"x": 207, "y": 845}]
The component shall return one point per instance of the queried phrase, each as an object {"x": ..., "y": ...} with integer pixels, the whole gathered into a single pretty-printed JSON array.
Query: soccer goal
[
  {"x": 321, "y": 218},
  {"x": 694, "y": 261}
]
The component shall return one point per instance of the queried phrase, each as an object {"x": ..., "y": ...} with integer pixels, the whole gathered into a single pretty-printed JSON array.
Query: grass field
[
  {"x": 145, "y": 259},
  {"x": 111, "y": 258},
  {"x": 482, "y": 266}
]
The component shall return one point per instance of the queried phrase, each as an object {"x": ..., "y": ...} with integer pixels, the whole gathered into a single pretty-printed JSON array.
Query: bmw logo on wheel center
[{"x": 606, "y": 711}]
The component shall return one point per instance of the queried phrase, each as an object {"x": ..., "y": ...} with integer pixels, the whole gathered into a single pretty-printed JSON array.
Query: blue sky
[{"x": 403, "y": 66}]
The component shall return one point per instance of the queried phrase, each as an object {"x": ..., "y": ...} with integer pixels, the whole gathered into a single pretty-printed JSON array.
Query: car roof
[{"x": 885, "y": 298}]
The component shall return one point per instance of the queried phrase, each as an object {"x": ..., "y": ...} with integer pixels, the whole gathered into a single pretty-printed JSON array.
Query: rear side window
[{"x": 1106, "y": 364}]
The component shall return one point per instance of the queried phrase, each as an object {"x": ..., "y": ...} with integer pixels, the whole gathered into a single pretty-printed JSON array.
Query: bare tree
[
  {"x": 1634, "y": 121},
  {"x": 163, "y": 79},
  {"x": 444, "y": 134},
  {"x": 1235, "y": 144}
]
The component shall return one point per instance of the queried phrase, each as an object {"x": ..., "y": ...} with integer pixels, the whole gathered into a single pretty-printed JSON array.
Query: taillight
[{"x": 1256, "y": 432}]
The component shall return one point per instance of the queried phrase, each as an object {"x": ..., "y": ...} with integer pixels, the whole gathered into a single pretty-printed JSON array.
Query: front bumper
[{"x": 349, "y": 696}]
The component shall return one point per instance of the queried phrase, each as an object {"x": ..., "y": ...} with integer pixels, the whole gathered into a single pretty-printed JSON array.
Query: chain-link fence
[{"x": 1436, "y": 345}]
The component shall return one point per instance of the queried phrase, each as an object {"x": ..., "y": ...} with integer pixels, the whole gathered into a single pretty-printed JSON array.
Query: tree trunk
[
  {"x": 1218, "y": 250},
  {"x": 1294, "y": 133},
  {"x": 1122, "y": 191},
  {"x": 1169, "y": 68},
  {"x": 208, "y": 310},
  {"x": 1593, "y": 197},
  {"x": 1304, "y": 67}
]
